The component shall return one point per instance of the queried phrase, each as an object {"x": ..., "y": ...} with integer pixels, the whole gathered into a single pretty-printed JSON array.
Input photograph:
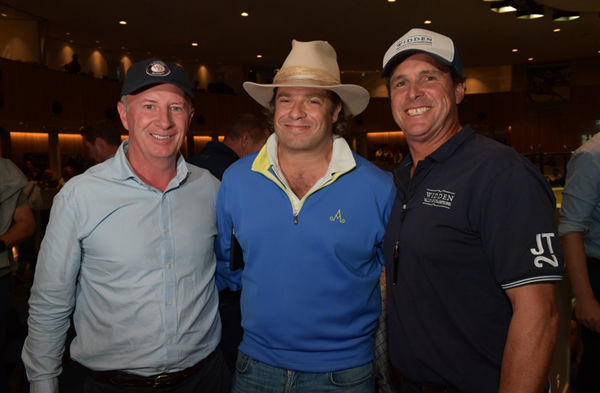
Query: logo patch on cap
[
  {"x": 419, "y": 39},
  {"x": 158, "y": 68}
]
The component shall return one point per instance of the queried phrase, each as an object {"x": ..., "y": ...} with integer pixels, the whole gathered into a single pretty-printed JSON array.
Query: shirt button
[
  {"x": 170, "y": 341},
  {"x": 170, "y": 303},
  {"x": 169, "y": 266},
  {"x": 166, "y": 230}
]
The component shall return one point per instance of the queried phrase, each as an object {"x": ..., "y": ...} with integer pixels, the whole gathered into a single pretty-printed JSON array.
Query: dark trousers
[
  {"x": 588, "y": 375},
  {"x": 231, "y": 325},
  {"x": 6, "y": 284},
  {"x": 213, "y": 377}
]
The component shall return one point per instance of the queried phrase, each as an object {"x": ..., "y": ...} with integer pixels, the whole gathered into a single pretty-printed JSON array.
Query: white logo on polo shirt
[
  {"x": 540, "y": 250},
  {"x": 438, "y": 198}
]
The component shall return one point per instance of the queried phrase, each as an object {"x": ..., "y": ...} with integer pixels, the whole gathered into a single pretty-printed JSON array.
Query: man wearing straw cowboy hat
[{"x": 309, "y": 215}]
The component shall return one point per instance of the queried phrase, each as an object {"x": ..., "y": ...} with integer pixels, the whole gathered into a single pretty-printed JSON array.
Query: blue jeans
[{"x": 252, "y": 376}]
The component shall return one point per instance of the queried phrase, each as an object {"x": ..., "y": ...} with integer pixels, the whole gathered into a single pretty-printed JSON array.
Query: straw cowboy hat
[{"x": 311, "y": 64}]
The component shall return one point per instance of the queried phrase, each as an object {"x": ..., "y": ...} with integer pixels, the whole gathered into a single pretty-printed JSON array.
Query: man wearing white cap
[
  {"x": 471, "y": 248},
  {"x": 130, "y": 247},
  {"x": 310, "y": 216}
]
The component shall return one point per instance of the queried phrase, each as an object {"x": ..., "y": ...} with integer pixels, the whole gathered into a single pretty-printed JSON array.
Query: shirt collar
[
  {"x": 342, "y": 158},
  {"x": 121, "y": 168}
]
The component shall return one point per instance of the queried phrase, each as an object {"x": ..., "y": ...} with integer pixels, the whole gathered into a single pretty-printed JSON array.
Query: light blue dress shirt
[
  {"x": 137, "y": 264},
  {"x": 580, "y": 207}
]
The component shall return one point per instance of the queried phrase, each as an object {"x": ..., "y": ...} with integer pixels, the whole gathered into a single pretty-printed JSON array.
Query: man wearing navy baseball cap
[
  {"x": 129, "y": 248},
  {"x": 471, "y": 249}
]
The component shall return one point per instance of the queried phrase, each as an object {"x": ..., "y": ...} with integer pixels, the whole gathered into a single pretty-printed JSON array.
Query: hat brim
[{"x": 354, "y": 98}]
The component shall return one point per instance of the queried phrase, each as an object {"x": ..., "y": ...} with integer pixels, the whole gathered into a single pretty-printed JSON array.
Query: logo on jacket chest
[
  {"x": 338, "y": 217},
  {"x": 438, "y": 198}
]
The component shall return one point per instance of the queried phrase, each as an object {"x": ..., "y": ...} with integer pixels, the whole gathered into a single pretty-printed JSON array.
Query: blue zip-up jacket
[{"x": 310, "y": 298}]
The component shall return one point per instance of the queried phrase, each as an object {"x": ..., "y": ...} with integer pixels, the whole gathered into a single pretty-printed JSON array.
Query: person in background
[
  {"x": 16, "y": 224},
  {"x": 579, "y": 229},
  {"x": 471, "y": 248},
  {"x": 309, "y": 216},
  {"x": 245, "y": 135},
  {"x": 130, "y": 248},
  {"x": 101, "y": 140}
]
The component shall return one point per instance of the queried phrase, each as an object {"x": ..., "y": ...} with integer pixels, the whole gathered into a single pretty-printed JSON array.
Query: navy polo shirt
[{"x": 478, "y": 219}]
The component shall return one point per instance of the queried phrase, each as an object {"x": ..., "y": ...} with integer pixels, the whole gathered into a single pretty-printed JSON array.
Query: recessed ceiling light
[
  {"x": 391, "y": 1},
  {"x": 556, "y": 30},
  {"x": 244, "y": 14},
  {"x": 97, "y": 41},
  {"x": 122, "y": 22},
  {"x": 564, "y": 16},
  {"x": 194, "y": 44},
  {"x": 4, "y": 15},
  {"x": 67, "y": 33},
  {"x": 259, "y": 56},
  {"x": 515, "y": 50},
  {"x": 427, "y": 22},
  {"x": 530, "y": 59},
  {"x": 502, "y": 7}
]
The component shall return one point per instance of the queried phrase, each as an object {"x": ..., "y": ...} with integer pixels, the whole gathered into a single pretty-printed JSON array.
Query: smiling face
[
  {"x": 303, "y": 118},
  {"x": 157, "y": 120},
  {"x": 424, "y": 100}
]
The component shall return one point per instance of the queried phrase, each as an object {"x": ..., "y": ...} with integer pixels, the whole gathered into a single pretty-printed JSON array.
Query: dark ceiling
[{"x": 360, "y": 30}]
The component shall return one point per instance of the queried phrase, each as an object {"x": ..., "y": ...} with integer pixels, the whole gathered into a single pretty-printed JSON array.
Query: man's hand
[{"x": 587, "y": 311}]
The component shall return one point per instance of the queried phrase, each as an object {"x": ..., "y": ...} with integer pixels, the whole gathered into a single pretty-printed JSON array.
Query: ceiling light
[
  {"x": 515, "y": 50},
  {"x": 244, "y": 14},
  {"x": 530, "y": 11},
  {"x": 194, "y": 44},
  {"x": 564, "y": 16},
  {"x": 67, "y": 33},
  {"x": 4, "y": 15},
  {"x": 530, "y": 59},
  {"x": 259, "y": 56},
  {"x": 556, "y": 30},
  {"x": 122, "y": 22},
  {"x": 427, "y": 22},
  {"x": 502, "y": 7},
  {"x": 391, "y": 1}
]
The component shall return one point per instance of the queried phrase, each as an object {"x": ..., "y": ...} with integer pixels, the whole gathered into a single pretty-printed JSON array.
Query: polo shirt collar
[
  {"x": 342, "y": 159},
  {"x": 445, "y": 151},
  {"x": 121, "y": 168}
]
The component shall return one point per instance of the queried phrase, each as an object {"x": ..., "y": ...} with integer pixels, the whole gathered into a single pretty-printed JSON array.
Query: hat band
[{"x": 298, "y": 73}]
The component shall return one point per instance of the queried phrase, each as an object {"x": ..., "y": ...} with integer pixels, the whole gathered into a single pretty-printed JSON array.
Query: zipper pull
[
  {"x": 395, "y": 266},
  {"x": 403, "y": 213},
  {"x": 295, "y": 218}
]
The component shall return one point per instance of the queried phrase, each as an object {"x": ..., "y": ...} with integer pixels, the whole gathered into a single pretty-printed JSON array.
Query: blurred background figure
[
  {"x": 16, "y": 224},
  {"x": 101, "y": 140},
  {"x": 245, "y": 135}
]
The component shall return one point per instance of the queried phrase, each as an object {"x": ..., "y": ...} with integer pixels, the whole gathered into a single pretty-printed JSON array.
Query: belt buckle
[{"x": 160, "y": 379}]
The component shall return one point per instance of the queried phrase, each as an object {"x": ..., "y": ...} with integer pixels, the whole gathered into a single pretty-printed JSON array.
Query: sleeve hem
[{"x": 531, "y": 280}]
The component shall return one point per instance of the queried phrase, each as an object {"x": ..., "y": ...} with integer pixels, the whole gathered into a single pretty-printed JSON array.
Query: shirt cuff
[{"x": 44, "y": 386}]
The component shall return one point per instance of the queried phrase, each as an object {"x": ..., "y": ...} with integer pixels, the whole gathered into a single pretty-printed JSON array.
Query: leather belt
[{"x": 122, "y": 378}]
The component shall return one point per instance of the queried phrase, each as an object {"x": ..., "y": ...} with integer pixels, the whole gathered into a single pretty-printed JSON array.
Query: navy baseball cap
[
  {"x": 436, "y": 45},
  {"x": 155, "y": 72}
]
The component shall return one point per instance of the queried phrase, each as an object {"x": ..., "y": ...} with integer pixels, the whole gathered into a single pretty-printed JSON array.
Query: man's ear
[
  {"x": 459, "y": 92},
  {"x": 336, "y": 113},
  {"x": 122, "y": 114}
]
